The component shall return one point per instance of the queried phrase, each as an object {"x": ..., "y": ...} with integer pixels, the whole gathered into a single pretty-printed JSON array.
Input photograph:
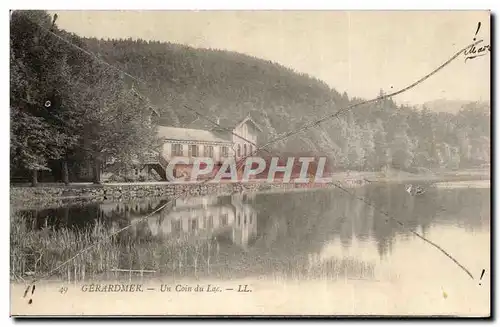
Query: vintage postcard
[{"x": 250, "y": 163}]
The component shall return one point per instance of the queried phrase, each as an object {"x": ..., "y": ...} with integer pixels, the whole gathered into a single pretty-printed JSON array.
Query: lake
[
  {"x": 309, "y": 251},
  {"x": 305, "y": 234}
]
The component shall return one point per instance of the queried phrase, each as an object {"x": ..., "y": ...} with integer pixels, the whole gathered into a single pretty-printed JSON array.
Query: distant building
[{"x": 200, "y": 140}]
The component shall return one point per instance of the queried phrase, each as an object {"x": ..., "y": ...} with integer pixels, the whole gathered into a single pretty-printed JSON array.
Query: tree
[
  {"x": 401, "y": 143},
  {"x": 369, "y": 146},
  {"x": 114, "y": 124},
  {"x": 35, "y": 139},
  {"x": 68, "y": 106}
]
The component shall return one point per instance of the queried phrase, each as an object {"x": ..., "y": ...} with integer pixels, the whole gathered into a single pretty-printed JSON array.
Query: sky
[{"x": 359, "y": 52}]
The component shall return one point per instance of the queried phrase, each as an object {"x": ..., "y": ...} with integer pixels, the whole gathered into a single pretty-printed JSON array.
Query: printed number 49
[{"x": 63, "y": 290}]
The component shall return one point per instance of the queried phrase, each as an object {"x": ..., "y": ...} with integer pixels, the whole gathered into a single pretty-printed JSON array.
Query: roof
[
  {"x": 201, "y": 123},
  {"x": 249, "y": 119},
  {"x": 229, "y": 123},
  {"x": 188, "y": 134}
]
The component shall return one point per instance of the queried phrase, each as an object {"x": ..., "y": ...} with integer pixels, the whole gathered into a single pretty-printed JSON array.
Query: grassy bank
[
  {"x": 38, "y": 252},
  {"x": 35, "y": 253}
]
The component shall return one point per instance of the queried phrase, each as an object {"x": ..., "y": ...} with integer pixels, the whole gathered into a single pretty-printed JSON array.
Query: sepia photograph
[{"x": 250, "y": 163}]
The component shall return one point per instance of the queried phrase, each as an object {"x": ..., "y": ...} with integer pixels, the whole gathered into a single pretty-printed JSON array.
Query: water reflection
[
  {"x": 232, "y": 218},
  {"x": 309, "y": 233}
]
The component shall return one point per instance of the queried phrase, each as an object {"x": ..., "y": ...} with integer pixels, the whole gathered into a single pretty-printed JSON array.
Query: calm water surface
[{"x": 308, "y": 234}]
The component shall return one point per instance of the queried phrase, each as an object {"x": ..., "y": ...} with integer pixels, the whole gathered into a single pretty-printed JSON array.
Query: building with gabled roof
[{"x": 202, "y": 138}]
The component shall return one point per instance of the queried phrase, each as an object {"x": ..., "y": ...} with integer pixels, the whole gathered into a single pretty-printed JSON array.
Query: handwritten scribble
[
  {"x": 32, "y": 287},
  {"x": 478, "y": 27},
  {"x": 26, "y": 291},
  {"x": 472, "y": 52},
  {"x": 480, "y": 278}
]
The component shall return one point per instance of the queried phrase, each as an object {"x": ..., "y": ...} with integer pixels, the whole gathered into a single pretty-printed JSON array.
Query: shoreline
[{"x": 58, "y": 194}]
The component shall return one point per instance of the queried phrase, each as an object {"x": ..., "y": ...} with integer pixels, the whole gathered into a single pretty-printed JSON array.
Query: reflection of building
[
  {"x": 207, "y": 217},
  {"x": 231, "y": 217},
  {"x": 130, "y": 209}
]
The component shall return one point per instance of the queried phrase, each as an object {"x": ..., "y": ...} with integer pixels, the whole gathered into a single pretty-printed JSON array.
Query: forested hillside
[
  {"x": 108, "y": 118},
  {"x": 231, "y": 85}
]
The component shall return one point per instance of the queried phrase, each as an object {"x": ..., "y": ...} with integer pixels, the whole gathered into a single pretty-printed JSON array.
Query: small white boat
[{"x": 414, "y": 190}]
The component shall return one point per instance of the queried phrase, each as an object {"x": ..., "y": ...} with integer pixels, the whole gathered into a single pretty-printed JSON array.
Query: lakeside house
[{"x": 198, "y": 139}]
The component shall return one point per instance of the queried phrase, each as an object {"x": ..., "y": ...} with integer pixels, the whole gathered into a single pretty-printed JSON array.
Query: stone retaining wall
[{"x": 38, "y": 196}]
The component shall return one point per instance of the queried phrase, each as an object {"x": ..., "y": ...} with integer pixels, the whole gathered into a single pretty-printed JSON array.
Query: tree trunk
[
  {"x": 97, "y": 172},
  {"x": 65, "y": 172},
  {"x": 34, "y": 177}
]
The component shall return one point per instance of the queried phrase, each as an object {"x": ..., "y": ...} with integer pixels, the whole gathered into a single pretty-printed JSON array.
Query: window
[
  {"x": 224, "y": 220},
  {"x": 176, "y": 226},
  {"x": 209, "y": 151},
  {"x": 177, "y": 149},
  {"x": 244, "y": 149},
  {"x": 225, "y": 152},
  {"x": 193, "y": 150},
  {"x": 210, "y": 222},
  {"x": 194, "y": 224},
  {"x": 239, "y": 150}
]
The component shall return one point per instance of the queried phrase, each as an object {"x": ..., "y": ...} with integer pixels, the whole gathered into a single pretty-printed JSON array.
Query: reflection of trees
[
  {"x": 296, "y": 219},
  {"x": 75, "y": 216},
  {"x": 302, "y": 222}
]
